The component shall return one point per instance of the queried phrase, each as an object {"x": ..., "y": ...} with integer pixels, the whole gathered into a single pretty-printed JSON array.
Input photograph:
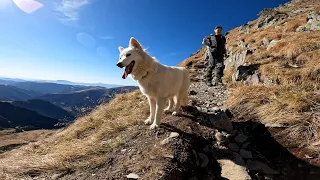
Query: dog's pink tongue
[{"x": 125, "y": 73}]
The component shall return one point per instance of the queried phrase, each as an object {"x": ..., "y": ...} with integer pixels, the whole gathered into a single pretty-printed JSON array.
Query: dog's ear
[
  {"x": 133, "y": 43},
  {"x": 120, "y": 48}
]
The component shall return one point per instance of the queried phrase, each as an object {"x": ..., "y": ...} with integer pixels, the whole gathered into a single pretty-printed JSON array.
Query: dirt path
[
  {"x": 248, "y": 151},
  {"x": 206, "y": 143}
]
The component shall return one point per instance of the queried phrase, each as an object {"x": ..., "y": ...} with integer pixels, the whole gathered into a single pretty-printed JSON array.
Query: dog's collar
[{"x": 145, "y": 75}]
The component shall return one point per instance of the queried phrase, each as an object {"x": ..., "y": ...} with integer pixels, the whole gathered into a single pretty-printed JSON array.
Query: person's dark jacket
[{"x": 212, "y": 42}]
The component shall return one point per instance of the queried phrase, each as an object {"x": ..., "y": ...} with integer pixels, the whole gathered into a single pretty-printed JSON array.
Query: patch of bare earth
[{"x": 10, "y": 139}]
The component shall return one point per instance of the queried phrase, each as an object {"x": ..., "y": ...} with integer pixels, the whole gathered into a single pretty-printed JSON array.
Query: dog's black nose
[{"x": 119, "y": 64}]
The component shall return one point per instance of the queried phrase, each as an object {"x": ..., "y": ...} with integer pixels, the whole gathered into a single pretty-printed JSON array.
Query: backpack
[{"x": 210, "y": 41}]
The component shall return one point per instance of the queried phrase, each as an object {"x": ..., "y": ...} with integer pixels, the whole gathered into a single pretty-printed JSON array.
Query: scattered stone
[
  {"x": 200, "y": 119},
  {"x": 313, "y": 21},
  {"x": 244, "y": 28},
  {"x": 238, "y": 159},
  {"x": 265, "y": 42},
  {"x": 204, "y": 160},
  {"x": 231, "y": 170},
  {"x": 168, "y": 139},
  {"x": 268, "y": 177},
  {"x": 254, "y": 165},
  {"x": 215, "y": 109},
  {"x": 274, "y": 125},
  {"x": 301, "y": 29},
  {"x": 316, "y": 143},
  {"x": 240, "y": 138},
  {"x": 132, "y": 176},
  {"x": 174, "y": 134},
  {"x": 236, "y": 59},
  {"x": 193, "y": 92},
  {"x": 245, "y": 145},
  {"x": 198, "y": 108},
  {"x": 241, "y": 44},
  {"x": 272, "y": 43},
  {"x": 169, "y": 156},
  {"x": 226, "y": 134},
  {"x": 57, "y": 176},
  {"x": 245, "y": 154},
  {"x": 220, "y": 137},
  {"x": 221, "y": 121},
  {"x": 233, "y": 147},
  {"x": 165, "y": 141}
]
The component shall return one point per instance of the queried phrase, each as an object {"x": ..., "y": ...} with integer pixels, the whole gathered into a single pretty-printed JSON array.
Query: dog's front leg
[
  {"x": 160, "y": 103},
  {"x": 168, "y": 109},
  {"x": 152, "y": 106}
]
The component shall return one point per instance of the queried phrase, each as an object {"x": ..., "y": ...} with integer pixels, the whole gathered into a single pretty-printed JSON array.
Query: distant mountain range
[
  {"x": 10, "y": 81},
  {"x": 12, "y": 117},
  {"x": 81, "y": 102},
  {"x": 12, "y": 93},
  {"x": 45, "y": 108},
  {"x": 49, "y": 88},
  {"x": 48, "y": 104},
  {"x": 84, "y": 84}
]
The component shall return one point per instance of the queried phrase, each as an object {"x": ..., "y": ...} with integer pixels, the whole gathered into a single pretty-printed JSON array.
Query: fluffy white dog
[{"x": 157, "y": 81}]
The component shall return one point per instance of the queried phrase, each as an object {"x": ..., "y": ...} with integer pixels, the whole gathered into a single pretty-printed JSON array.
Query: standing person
[{"x": 216, "y": 52}]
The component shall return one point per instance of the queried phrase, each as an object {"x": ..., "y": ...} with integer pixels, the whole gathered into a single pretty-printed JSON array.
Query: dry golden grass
[
  {"x": 8, "y": 138},
  {"x": 198, "y": 56},
  {"x": 79, "y": 145},
  {"x": 294, "y": 63}
]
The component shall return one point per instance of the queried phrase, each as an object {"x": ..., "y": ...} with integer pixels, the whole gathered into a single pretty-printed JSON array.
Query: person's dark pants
[{"x": 215, "y": 68}]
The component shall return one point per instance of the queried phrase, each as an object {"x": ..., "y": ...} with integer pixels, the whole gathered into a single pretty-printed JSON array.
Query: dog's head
[{"x": 130, "y": 57}]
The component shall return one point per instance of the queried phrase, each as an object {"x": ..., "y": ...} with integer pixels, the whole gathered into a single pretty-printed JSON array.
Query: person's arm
[{"x": 205, "y": 41}]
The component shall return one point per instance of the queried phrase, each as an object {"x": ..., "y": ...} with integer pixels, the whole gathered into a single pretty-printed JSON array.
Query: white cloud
[{"x": 69, "y": 9}]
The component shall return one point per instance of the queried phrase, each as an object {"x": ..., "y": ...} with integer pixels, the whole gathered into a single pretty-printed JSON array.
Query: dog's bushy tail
[{"x": 184, "y": 99}]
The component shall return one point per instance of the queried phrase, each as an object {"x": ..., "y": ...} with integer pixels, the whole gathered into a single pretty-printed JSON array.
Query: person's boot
[
  {"x": 208, "y": 83},
  {"x": 217, "y": 81}
]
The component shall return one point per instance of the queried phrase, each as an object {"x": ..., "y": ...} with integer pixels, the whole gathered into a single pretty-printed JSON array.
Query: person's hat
[{"x": 218, "y": 27}]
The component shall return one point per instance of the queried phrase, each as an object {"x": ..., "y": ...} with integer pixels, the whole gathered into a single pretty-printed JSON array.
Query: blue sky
[{"x": 77, "y": 40}]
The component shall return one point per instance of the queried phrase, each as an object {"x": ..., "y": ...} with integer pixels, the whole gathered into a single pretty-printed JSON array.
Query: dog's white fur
[{"x": 157, "y": 81}]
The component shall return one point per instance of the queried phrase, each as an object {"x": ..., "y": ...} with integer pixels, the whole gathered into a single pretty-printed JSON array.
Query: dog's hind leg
[
  {"x": 152, "y": 106},
  {"x": 184, "y": 98},
  {"x": 160, "y": 103},
  {"x": 176, "y": 100},
  {"x": 168, "y": 109}
]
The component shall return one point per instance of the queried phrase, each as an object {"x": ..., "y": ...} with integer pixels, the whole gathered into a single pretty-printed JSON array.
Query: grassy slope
[
  {"x": 79, "y": 145},
  {"x": 295, "y": 102}
]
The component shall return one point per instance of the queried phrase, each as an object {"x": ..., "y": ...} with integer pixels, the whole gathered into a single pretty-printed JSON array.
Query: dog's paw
[
  {"x": 166, "y": 111},
  {"x": 176, "y": 113},
  {"x": 154, "y": 126},
  {"x": 148, "y": 121}
]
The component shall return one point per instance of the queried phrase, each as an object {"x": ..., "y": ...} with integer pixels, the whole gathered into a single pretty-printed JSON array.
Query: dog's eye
[{"x": 127, "y": 55}]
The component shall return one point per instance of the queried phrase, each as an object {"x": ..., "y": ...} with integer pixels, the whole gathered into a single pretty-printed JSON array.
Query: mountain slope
[
  {"x": 86, "y": 84},
  {"x": 112, "y": 141},
  {"x": 272, "y": 73},
  {"x": 82, "y": 102},
  {"x": 12, "y": 93},
  {"x": 49, "y": 88},
  {"x": 12, "y": 116},
  {"x": 45, "y": 108}
]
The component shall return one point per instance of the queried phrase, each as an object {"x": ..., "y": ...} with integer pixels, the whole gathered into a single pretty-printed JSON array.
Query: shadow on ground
[{"x": 199, "y": 157}]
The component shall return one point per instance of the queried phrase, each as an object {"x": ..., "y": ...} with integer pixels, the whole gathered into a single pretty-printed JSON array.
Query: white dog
[{"x": 157, "y": 81}]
